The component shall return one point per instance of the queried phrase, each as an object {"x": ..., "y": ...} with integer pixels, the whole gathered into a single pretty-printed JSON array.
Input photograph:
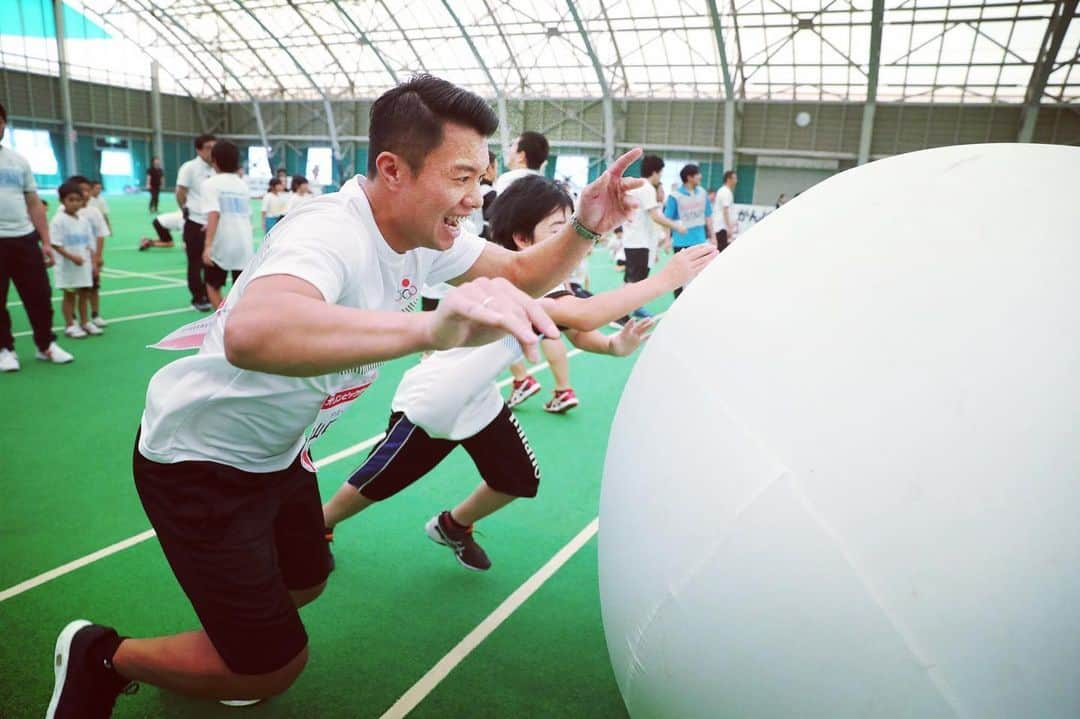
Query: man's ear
[
  {"x": 522, "y": 242},
  {"x": 392, "y": 169}
]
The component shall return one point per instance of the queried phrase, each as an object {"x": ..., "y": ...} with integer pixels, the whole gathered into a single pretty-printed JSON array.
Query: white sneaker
[
  {"x": 55, "y": 355},
  {"x": 92, "y": 329},
  {"x": 75, "y": 332},
  {"x": 100, "y": 321},
  {"x": 9, "y": 361}
]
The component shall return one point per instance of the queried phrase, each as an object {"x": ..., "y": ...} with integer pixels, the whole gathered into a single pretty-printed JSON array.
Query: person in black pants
[
  {"x": 189, "y": 181},
  {"x": 154, "y": 176},
  {"x": 22, "y": 262}
]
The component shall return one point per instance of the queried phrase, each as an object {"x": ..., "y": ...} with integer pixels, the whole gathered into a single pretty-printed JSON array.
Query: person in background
[
  {"x": 73, "y": 239},
  {"x": 101, "y": 230},
  {"x": 781, "y": 199},
  {"x": 228, "y": 221},
  {"x": 726, "y": 225},
  {"x": 154, "y": 177},
  {"x": 283, "y": 175},
  {"x": 97, "y": 201},
  {"x": 274, "y": 203},
  {"x": 164, "y": 225},
  {"x": 189, "y": 181},
  {"x": 688, "y": 203},
  {"x": 300, "y": 195}
]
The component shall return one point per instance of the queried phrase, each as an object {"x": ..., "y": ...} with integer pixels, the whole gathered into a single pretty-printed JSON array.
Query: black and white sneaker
[
  {"x": 442, "y": 529},
  {"x": 86, "y": 684}
]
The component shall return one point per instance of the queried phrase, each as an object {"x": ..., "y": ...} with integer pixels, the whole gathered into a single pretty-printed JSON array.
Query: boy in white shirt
[
  {"x": 101, "y": 230},
  {"x": 72, "y": 240},
  {"x": 726, "y": 225},
  {"x": 97, "y": 201},
  {"x": 228, "y": 221}
]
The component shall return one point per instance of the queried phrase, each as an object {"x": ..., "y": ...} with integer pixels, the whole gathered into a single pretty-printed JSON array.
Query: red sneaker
[
  {"x": 561, "y": 401},
  {"x": 521, "y": 391}
]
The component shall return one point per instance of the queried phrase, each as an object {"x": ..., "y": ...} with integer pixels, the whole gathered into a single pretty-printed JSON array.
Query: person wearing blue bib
[{"x": 689, "y": 204}]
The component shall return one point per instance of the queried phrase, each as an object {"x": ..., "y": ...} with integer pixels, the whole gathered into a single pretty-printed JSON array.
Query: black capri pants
[{"x": 500, "y": 452}]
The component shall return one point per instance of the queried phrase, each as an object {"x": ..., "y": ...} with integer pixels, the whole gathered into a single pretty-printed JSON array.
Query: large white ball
[{"x": 844, "y": 478}]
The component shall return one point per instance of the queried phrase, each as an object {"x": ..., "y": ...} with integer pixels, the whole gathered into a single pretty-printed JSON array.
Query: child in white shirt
[
  {"x": 73, "y": 240},
  {"x": 274, "y": 204},
  {"x": 229, "y": 241}
]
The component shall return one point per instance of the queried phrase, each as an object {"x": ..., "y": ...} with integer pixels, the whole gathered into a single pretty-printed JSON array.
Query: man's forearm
[
  {"x": 37, "y": 218},
  {"x": 544, "y": 265},
  {"x": 294, "y": 335}
]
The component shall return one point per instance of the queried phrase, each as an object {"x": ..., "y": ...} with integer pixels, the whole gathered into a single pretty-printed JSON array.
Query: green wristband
[{"x": 583, "y": 231}]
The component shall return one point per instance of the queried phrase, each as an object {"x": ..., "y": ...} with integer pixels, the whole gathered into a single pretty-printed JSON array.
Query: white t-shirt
[
  {"x": 507, "y": 178},
  {"x": 75, "y": 235},
  {"x": 99, "y": 204},
  {"x": 724, "y": 198},
  {"x": 274, "y": 204},
  {"x": 453, "y": 393},
  {"x": 192, "y": 175},
  {"x": 296, "y": 201},
  {"x": 16, "y": 180},
  {"x": 435, "y": 292},
  {"x": 98, "y": 226},
  {"x": 638, "y": 229},
  {"x": 172, "y": 220},
  {"x": 201, "y": 407},
  {"x": 227, "y": 194}
]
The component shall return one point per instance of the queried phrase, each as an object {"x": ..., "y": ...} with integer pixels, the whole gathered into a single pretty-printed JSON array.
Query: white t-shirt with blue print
[{"x": 16, "y": 180}]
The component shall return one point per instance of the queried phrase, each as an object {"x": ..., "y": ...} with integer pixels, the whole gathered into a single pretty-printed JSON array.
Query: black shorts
[
  {"x": 637, "y": 264},
  {"x": 238, "y": 542},
  {"x": 721, "y": 239},
  {"x": 428, "y": 304},
  {"x": 97, "y": 282},
  {"x": 500, "y": 451},
  {"x": 216, "y": 277}
]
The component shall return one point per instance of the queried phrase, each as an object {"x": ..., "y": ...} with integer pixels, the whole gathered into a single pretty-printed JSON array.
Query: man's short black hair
[
  {"x": 68, "y": 188},
  {"x": 651, "y": 164},
  {"x": 408, "y": 120},
  {"x": 202, "y": 140},
  {"x": 226, "y": 156},
  {"x": 689, "y": 171},
  {"x": 281, "y": 170},
  {"x": 728, "y": 175},
  {"x": 78, "y": 180},
  {"x": 521, "y": 207},
  {"x": 536, "y": 148}
]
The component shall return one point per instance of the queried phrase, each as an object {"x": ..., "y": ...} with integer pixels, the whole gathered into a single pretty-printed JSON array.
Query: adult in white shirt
[
  {"x": 728, "y": 227},
  {"x": 228, "y": 221},
  {"x": 22, "y": 226},
  {"x": 527, "y": 156},
  {"x": 189, "y": 182},
  {"x": 221, "y": 463},
  {"x": 639, "y": 232}
]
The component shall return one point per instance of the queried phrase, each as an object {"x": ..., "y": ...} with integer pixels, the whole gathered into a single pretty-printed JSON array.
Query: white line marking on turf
[
  {"x": 416, "y": 694},
  {"x": 114, "y": 320},
  {"x": 172, "y": 284},
  {"x": 72, "y": 566},
  {"x": 108, "y": 272}
]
